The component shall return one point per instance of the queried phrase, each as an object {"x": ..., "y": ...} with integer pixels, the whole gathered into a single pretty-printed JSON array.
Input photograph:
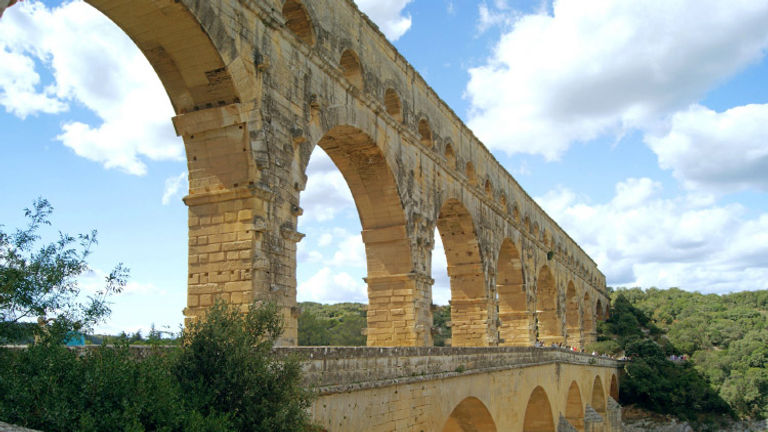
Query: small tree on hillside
[{"x": 40, "y": 282}]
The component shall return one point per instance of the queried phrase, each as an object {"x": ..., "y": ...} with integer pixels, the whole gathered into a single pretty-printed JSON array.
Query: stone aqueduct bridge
[
  {"x": 256, "y": 85},
  {"x": 486, "y": 389}
]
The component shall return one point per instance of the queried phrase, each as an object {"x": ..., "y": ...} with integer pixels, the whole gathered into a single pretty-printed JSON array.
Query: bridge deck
[{"x": 344, "y": 369}]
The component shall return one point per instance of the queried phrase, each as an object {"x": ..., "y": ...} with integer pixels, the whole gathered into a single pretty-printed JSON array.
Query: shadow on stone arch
[
  {"x": 574, "y": 407},
  {"x": 538, "y": 413},
  {"x": 598, "y": 397},
  {"x": 515, "y": 328},
  {"x": 469, "y": 301},
  {"x": 572, "y": 327},
  {"x": 387, "y": 247},
  {"x": 549, "y": 325},
  {"x": 470, "y": 415}
]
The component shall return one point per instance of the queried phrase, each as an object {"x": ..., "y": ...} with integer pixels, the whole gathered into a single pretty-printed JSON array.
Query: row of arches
[
  {"x": 527, "y": 308},
  {"x": 201, "y": 81},
  {"x": 523, "y": 302},
  {"x": 472, "y": 415},
  {"x": 524, "y": 305},
  {"x": 298, "y": 22}
]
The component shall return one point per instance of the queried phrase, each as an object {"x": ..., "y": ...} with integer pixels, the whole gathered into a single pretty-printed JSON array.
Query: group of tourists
[{"x": 560, "y": 345}]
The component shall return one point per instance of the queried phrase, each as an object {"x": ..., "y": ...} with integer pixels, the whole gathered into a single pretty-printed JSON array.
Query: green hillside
[{"x": 725, "y": 337}]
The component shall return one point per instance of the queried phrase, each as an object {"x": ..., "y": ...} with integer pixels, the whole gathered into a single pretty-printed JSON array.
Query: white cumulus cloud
[
  {"x": 19, "y": 82},
  {"x": 327, "y": 286},
  {"x": 350, "y": 252},
  {"x": 708, "y": 150},
  {"x": 441, "y": 289},
  {"x": 92, "y": 64},
  {"x": 602, "y": 67},
  {"x": 388, "y": 15},
  {"x": 174, "y": 187},
  {"x": 642, "y": 238},
  {"x": 326, "y": 194}
]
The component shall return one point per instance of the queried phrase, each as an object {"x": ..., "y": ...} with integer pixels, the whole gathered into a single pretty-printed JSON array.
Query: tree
[
  {"x": 227, "y": 368},
  {"x": 42, "y": 281}
]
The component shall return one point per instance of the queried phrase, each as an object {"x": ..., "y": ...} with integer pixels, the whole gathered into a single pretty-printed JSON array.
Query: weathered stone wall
[
  {"x": 256, "y": 85},
  {"x": 428, "y": 389},
  {"x": 334, "y": 369},
  {"x": 413, "y": 166}
]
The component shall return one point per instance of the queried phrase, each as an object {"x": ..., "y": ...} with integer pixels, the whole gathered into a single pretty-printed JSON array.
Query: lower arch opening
[{"x": 470, "y": 415}]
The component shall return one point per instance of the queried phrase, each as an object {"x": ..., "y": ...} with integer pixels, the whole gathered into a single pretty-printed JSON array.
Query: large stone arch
[
  {"x": 572, "y": 327},
  {"x": 192, "y": 68},
  {"x": 514, "y": 315},
  {"x": 574, "y": 407},
  {"x": 469, "y": 299},
  {"x": 392, "y": 315},
  {"x": 599, "y": 311},
  {"x": 549, "y": 325},
  {"x": 538, "y": 413},
  {"x": 192, "y": 52},
  {"x": 614, "y": 392},
  {"x": 470, "y": 415},
  {"x": 598, "y": 397}
]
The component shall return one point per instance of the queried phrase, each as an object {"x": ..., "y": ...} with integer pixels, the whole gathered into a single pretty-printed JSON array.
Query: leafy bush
[
  {"x": 604, "y": 347},
  {"x": 654, "y": 382},
  {"x": 441, "y": 317},
  {"x": 227, "y": 367},
  {"x": 53, "y": 388},
  {"x": 224, "y": 378}
]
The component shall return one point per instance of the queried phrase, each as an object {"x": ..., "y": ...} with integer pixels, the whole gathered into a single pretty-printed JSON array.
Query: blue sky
[{"x": 641, "y": 127}]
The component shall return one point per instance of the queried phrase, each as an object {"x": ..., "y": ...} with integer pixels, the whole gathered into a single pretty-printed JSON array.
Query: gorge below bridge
[{"x": 256, "y": 85}]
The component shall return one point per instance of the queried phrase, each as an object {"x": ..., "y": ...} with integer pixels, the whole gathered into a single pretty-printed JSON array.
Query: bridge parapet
[{"x": 342, "y": 369}]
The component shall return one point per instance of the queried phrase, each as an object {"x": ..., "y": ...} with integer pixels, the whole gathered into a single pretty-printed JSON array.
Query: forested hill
[{"x": 724, "y": 336}]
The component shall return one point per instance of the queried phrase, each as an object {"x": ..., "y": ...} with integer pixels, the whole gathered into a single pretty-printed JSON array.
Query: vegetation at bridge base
[
  {"x": 226, "y": 369},
  {"x": 725, "y": 338},
  {"x": 223, "y": 377}
]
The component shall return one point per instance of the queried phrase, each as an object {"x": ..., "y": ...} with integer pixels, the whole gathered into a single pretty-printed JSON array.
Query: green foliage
[
  {"x": 37, "y": 281},
  {"x": 339, "y": 324},
  {"x": 725, "y": 336},
  {"x": 52, "y": 388},
  {"x": 663, "y": 386},
  {"x": 227, "y": 366},
  {"x": 610, "y": 347},
  {"x": 652, "y": 380},
  {"x": 224, "y": 378},
  {"x": 441, "y": 316}
]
